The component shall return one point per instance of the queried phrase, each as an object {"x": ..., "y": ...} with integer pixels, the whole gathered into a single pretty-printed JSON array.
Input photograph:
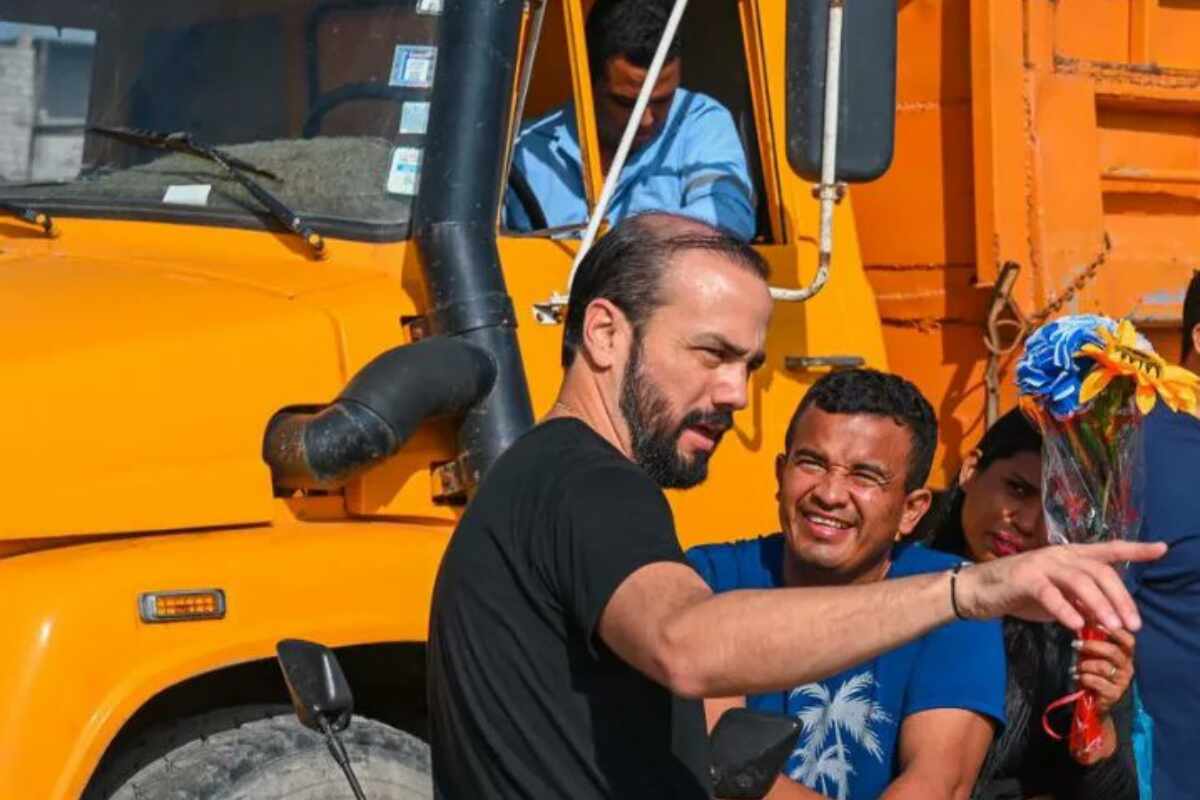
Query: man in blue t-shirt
[
  {"x": 687, "y": 156},
  {"x": 914, "y": 722},
  {"x": 1168, "y": 591}
]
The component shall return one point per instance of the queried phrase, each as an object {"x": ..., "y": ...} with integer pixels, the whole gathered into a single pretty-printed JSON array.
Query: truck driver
[{"x": 687, "y": 157}]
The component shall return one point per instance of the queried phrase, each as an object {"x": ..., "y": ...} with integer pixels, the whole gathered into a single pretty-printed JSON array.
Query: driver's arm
[{"x": 717, "y": 186}]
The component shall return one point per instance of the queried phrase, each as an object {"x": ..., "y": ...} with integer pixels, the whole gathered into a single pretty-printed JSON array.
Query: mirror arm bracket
[
  {"x": 338, "y": 751},
  {"x": 830, "y": 191}
]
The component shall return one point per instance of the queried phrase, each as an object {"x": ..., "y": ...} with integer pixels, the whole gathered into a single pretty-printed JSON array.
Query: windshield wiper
[
  {"x": 183, "y": 142},
  {"x": 32, "y": 216}
]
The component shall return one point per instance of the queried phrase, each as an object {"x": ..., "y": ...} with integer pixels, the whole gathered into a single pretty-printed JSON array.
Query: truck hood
[{"x": 136, "y": 395}]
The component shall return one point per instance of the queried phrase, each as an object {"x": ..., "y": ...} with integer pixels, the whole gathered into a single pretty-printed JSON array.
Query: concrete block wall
[{"x": 16, "y": 108}]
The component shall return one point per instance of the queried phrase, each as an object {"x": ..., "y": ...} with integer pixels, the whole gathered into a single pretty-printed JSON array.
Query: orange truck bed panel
[{"x": 1063, "y": 137}]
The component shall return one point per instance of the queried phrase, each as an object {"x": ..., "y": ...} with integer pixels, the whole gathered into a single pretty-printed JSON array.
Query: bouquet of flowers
[{"x": 1087, "y": 381}]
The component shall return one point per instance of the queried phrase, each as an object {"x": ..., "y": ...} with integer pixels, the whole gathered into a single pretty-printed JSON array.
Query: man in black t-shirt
[{"x": 570, "y": 641}]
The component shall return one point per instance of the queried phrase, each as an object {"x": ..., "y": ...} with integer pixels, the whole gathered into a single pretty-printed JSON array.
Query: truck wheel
[{"x": 276, "y": 758}]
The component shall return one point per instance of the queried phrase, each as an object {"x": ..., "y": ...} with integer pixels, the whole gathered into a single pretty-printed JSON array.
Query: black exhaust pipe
[
  {"x": 472, "y": 365},
  {"x": 376, "y": 413},
  {"x": 454, "y": 222}
]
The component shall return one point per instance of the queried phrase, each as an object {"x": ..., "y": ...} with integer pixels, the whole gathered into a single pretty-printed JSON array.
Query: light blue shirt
[{"x": 695, "y": 167}]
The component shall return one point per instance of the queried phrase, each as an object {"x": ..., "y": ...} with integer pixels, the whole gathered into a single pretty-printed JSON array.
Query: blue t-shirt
[
  {"x": 1168, "y": 596},
  {"x": 851, "y": 721},
  {"x": 695, "y": 166}
]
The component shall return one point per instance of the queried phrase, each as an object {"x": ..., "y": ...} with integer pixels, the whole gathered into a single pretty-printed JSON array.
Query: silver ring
[{"x": 1112, "y": 671}]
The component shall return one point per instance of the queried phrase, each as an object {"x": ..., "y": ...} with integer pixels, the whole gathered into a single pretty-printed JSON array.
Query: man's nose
[
  {"x": 830, "y": 490},
  {"x": 731, "y": 390},
  {"x": 647, "y": 120}
]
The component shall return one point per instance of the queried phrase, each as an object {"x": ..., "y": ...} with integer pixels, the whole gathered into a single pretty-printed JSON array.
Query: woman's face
[{"x": 1002, "y": 505}]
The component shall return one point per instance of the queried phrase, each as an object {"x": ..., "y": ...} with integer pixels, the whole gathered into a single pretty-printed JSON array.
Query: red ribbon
[
  {"x": 1087, "y": 732},
  {"x": 1059, "y": 703}
]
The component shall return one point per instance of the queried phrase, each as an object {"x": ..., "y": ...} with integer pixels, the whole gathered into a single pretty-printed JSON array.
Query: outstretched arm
[
  {"x": 665, "y": 621},
  {"x": 941, "y": 751}
]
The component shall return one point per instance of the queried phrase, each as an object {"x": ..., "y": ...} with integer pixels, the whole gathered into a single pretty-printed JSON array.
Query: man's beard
[{"x": 655, "y": 440}]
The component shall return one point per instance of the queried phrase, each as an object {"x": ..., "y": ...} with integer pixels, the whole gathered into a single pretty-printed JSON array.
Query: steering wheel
[
  {"x": 345, "y": 93},
  {"x": 528, "y": 200}
]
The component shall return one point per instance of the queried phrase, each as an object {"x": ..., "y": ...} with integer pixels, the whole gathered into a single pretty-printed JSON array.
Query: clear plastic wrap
[
  {"x": 1087, "y": 381},
  {"x": 1092, "y": 472}
]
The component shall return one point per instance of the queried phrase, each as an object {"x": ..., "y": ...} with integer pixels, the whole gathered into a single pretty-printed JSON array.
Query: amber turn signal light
[{"x": 181, "y": 606}]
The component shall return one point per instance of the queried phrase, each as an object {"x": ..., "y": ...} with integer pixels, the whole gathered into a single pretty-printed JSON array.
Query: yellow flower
[{"x": 1121, "y": 357}]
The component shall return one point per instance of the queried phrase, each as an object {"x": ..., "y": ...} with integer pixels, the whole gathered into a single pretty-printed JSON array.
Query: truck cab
[{"x": 220, "y": 218}]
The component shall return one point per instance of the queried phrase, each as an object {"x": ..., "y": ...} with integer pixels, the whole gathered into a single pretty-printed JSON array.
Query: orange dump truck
[
  {"x": 1049, "y": 148},
  {"x": 249, "y": 388}
]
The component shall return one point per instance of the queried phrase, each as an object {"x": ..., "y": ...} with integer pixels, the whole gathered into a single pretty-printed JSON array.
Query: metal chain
[
  {"x": 1002, "y": 313},
  {"x": 1083, "y": 279},
  {"x": 1003, "y": 303}
]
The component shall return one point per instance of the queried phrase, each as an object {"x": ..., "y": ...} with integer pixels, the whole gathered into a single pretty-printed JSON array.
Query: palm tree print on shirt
[{"x": 848, "y": 715}]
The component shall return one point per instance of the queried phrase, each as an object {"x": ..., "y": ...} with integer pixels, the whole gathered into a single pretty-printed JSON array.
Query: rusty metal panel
[
  {"x": 999, "y": 132},
  {"x": 1069, "y": 228},
  {"x": 919, "y": 212},
  {"x": 1094, "y": 30},
  {"x": 1174, "y": 34},
  {"x": 1073, "y": 151}
]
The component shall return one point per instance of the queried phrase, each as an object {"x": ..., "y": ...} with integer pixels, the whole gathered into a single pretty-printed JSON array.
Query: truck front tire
[{"x": 278, "y": 759}]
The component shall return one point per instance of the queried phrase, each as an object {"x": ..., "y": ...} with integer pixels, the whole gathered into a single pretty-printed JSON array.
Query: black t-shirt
[{"x": 525, "y": 699}]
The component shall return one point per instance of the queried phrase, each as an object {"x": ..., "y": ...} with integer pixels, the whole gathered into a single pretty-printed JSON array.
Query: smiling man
[
  {"x": 687, "y": 157},
  {"x": 913, "y": 722},
  {"x": 569, "y": 640}
]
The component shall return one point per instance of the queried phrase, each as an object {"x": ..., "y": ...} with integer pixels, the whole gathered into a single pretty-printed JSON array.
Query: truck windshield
[{"x": 331, "y": 98}]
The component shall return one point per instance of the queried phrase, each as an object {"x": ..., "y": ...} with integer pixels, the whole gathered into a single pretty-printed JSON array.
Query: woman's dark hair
[
  {"x": 1191, "y": 315},
  {"x": 1012, "y": 434}
]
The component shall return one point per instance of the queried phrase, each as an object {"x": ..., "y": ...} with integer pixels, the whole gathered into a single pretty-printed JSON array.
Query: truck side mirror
[
  {"x": 747, "y": 749},
  {"x": 316, "y": 683},
  {"x": 867, "y": 87}
]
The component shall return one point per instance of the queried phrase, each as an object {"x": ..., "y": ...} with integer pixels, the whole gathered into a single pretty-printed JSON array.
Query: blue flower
[{"x": 1049, "y": 370}]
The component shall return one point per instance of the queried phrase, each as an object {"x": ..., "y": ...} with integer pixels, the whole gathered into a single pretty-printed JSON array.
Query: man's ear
[
  {"x": 915, "y": 505},
  {"x": 606, "y": 333},
  {"x": 969, "y": 468},
  {"x": 1196, "y": 339},
  {"x": 780, "y": 463}
]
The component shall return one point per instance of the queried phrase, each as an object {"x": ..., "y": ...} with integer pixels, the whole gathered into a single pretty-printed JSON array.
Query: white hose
[{"x": 618, "y": 163}]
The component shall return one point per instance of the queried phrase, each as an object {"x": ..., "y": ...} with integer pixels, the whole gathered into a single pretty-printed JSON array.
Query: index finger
[
  {"x": 1111, "y": 552},
  {"x": 1117, "y": 593}
]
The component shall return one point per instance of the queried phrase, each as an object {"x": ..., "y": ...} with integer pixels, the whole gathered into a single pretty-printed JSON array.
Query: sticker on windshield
[
  {"x": 412, "y": 66},
  {"x": 190, "y": 194},
  {"x": 429, "y": 6},
  {"x": 414, "y": 117},
  {"x": 405, "y": 170}
]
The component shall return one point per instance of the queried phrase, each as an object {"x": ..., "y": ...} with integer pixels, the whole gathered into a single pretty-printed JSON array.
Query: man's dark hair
[
  {"x": 1191, "y": 315},
  {"x": 626, "y": 266},
  {"x": 629, "y": 28},
  {"x": 881, "y": 394}
]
